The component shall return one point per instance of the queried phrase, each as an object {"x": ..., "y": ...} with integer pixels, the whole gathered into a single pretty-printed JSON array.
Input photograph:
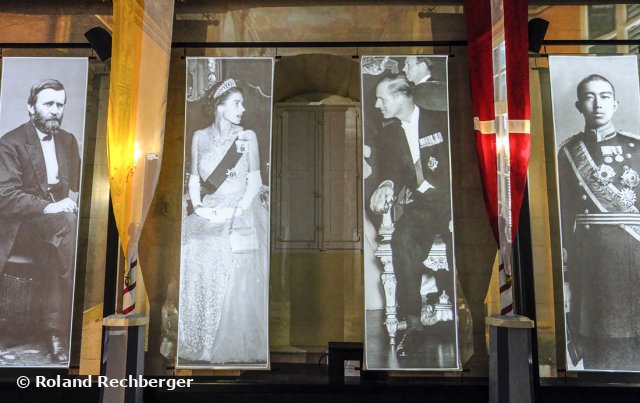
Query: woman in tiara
[{"x": 223, "y": 292}]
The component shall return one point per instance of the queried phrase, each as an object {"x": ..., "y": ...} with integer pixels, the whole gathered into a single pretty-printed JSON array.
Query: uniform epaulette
[
  {"x": 566, "y": 141},
  {"x": 629, "y": 134}
]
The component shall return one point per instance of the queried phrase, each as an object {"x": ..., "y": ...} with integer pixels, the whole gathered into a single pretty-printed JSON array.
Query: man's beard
[{"x": 47, "y": 125}]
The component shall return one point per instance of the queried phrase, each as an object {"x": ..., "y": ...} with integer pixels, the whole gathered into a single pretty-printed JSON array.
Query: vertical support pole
[
  {"x": 509, "y": 366},
  {"x": 123, "y": 358},
  {"x": 523, "y": 282},
  {"x": 513, "y": 353},
  {"x": 110, "y": 274}
]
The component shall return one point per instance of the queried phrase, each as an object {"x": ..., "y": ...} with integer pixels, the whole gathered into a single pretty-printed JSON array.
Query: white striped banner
[{"x": 129, "y": 291}]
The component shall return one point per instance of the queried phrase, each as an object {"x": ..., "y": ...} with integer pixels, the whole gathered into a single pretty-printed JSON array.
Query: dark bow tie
[{"x": 47, "y": 137}]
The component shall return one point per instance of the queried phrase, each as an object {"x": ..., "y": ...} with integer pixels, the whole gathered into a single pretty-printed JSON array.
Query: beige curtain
[{"x": 135, "y": 128}]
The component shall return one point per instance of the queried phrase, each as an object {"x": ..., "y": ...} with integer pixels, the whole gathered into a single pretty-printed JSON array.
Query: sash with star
[
  {"x": 223, "y": 170},
  {"x": 613, "y": 193}
]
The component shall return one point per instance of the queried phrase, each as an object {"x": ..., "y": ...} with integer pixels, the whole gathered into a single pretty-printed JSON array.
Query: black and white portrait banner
[
  {"x": 410, "y": 295},
  {"x": 596, "y": 118},
  {"x": 224, "y": 268},
  {"x": 42, "y": 114}
]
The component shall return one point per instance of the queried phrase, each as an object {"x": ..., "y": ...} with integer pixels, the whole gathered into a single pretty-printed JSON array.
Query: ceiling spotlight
[
  {"x": 100, "y": 41},
  {"x": 537, "y": 31}
]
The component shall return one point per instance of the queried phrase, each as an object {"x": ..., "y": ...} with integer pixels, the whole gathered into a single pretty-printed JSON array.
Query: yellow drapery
[{"x": 135, "y": 126}]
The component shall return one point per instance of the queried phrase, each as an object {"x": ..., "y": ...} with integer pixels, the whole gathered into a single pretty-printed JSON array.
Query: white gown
[{"x": 223, "y": 303}]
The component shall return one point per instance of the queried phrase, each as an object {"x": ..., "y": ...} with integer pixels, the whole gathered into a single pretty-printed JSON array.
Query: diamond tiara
[{"x": 224, "y": 87}]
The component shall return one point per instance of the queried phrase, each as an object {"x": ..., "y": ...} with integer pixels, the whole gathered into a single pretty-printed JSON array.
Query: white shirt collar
[
  {"x": 413, "y": 120},
  {"x": 41, "y": 135},
  {"x": 411, "y": 133},
  {"x": 50, "y": 159},
  {"x": 424, "y": 79}
]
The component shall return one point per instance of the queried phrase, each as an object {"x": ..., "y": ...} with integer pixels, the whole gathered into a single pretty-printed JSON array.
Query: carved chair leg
[
  {"x": 388, "y": 277},
  {"x": 391, "y": 319}
]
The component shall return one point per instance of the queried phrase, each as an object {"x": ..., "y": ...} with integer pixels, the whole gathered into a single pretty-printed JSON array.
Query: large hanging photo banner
[
  {"x": 410, "y": 295},
  {"x": 596, "y": 116},
  {"x": 224, "y": 268},
  {"x": 42, "y": 113}
]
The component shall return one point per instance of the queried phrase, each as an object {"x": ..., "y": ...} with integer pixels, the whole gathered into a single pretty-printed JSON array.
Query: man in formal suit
[
  {"x": 428, "y": 92},
  {"x": 417, "y": 69},
  {"x": 39, "y": 181},
  {"x": 410, "y": 176}
]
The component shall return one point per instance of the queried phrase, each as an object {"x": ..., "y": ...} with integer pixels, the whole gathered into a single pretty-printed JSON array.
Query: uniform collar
[{"x": 602, "y": 133}]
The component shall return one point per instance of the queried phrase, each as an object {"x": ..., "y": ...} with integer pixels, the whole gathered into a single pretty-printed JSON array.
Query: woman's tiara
[{"x": 224, "y": 87}]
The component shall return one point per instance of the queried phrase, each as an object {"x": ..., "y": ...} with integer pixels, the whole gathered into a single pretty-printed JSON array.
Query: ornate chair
[
  {"x": 17, "y": 289},
  {"x": 441, "y": 311}
]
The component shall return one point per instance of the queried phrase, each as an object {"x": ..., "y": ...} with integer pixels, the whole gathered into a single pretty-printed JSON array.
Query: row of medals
[{"x": 629, "y": 178}]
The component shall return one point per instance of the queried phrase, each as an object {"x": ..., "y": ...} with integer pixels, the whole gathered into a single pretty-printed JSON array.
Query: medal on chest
[
  {"x": 612, "y": 153},
  {"x": 628, "y": 181}
]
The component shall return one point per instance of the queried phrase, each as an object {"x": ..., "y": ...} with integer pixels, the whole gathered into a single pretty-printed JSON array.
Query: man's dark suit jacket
[
  {"x": 23, "y": 178},
  {"x": 423, "y": 215},
  {"x": 391, "y": 159},
  {"x": 431, "y": 95}
]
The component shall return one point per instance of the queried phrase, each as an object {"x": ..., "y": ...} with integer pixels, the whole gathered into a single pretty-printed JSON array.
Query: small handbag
[{"x": 242, "y": 239}]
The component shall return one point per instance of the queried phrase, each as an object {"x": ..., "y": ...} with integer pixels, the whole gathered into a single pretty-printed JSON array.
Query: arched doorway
[{"x": 317, "y": 289}]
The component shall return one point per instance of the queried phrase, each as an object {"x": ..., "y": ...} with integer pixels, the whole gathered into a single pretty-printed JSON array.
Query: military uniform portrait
[
  {"x": 597, "y": 129},
  {"x": 410, "y": 294}
]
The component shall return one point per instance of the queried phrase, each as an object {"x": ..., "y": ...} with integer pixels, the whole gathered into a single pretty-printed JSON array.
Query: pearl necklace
[{"x": 220, "y": 139}]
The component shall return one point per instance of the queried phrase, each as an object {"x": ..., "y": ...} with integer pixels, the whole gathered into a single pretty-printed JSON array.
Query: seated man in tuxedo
[
  {"x": 410, "y": 165},
  {"x": 39, "y": 181}
]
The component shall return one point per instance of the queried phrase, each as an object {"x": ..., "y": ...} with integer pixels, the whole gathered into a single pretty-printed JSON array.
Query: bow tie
[{"x": 47, "y": 137}]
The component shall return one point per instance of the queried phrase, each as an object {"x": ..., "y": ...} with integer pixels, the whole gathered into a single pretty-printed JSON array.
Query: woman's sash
[{"x": 219, "y": 174}]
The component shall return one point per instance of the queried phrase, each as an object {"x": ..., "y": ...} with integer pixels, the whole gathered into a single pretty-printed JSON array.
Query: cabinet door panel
[
  {"x": 296, "y": 178},
  {"x": 341, "y": 197}
]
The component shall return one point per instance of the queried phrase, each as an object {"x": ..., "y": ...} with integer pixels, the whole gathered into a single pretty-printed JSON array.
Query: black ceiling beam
[
  {"x": 325, "y": 44},
  {"x": 43, "y": 45},
  {"x": 360, "y": 44}
]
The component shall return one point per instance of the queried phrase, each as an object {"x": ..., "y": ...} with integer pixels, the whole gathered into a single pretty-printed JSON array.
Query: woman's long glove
[
  {"x": 194, "y": 190},
  {"x": 254, "y": 182}
]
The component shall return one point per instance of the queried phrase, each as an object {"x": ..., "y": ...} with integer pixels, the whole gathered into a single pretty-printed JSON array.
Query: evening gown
[{"x": 223, "y": 305}]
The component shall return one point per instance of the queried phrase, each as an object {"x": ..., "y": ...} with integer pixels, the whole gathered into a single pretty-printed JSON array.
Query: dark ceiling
[{"x": 103, "y": 7}]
